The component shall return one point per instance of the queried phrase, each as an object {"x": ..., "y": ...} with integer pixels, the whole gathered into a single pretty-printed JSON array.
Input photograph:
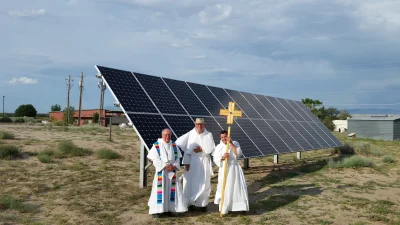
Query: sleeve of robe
[
  {"x": 238, "y": 150},
  {"x": 182, "y": 142},
  {"x": 209, "y": 145},
  {"x": 155, "y": 158},
  {"x": 217, "y": 156}
]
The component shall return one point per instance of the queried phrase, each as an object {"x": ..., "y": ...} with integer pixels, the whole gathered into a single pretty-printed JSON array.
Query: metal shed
[{"x": 380, "y": 127}]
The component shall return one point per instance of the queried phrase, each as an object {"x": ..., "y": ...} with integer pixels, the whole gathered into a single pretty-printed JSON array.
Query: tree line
[{"x": 326, "y": 115}]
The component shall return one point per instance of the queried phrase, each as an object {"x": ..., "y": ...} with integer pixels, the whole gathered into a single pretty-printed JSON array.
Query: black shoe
[
  {"x": 157, "y": 215},
  {"x": 203, "y": 209},
  {"x": 191, "y": 208}
]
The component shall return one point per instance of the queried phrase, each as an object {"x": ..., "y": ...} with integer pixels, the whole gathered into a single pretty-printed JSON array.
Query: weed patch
[
  {"x": 68, "y": 148},
  {"x": 10, "y": 202},
  {"x": 6, "y": 135},
  {"x": 388, "y": 159},
  {"x": 107, "y": 154},
  {"x": 9, "y": 151}
]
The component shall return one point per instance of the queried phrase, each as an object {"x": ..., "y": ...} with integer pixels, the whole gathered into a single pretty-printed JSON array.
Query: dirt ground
[{"x": 89, "y": 190}]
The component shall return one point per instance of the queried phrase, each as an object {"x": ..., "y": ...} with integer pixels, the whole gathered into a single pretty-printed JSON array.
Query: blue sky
[{"x": 344, "y": 52}]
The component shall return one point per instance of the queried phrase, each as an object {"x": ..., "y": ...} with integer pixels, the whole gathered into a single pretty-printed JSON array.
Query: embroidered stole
[{"x": 160, "y": 176}]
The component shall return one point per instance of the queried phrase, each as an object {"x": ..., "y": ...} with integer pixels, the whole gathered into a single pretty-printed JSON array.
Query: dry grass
[{"x": 76, "y": 187}]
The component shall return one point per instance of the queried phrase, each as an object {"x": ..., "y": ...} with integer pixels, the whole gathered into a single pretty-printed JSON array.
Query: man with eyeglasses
[
  {"x": 166, "y": 193},
  {"x": 197, "y": 144}
]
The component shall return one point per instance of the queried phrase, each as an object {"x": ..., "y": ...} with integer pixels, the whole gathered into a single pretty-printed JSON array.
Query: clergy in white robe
[
  {"x": 235, "y": 196},
  {"x": 166, "y": 193},
  {"x": 197, "y": 144}
]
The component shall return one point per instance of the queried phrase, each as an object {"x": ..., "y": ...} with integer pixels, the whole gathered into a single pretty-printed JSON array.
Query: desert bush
[
  {"x": 47, "y": 151},
  {"x": 5, "y": 120},
  {"x": 58, "y": 123},
  {"x": 9, "y": 151},
  {"x": 107, "y": 154},
  {"x": 335, "y": 164},
  {"x": 6, "y": 135},
  {"x": 45, "y": 158},
  {"x": 357, "y": 161},
  {"x": 10, "y": 202},
  {"x": 68, "y": 148},
  {"x": 388, "y": 159},
  {"x": 346, "y": 149},
  {"x": 19, "y": 120}
]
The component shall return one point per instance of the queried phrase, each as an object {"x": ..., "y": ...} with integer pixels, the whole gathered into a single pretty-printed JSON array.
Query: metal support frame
[
  {"x": 143, "y": 161},
  {"x": 276, "y": 159},
  {"x": 299, "y": 155},
  {"x": 246, "y": 163}
]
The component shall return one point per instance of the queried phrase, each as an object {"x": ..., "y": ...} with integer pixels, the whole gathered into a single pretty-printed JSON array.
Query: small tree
[
  {"x": 25, "y": 110},
  {"x": 343, "y": 115},
  {"x": 55, "y": 108},
  {"x": 71, "y": 115},
  {"x": 328, "y": 123},
  {"x": 96, "y": 117}
]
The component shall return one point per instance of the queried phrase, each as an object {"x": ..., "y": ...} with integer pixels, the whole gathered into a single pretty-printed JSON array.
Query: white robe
[
  {"x": 236, "y": 196},
  {"x": 197, "y": 181},
  {"x": 165, "y": 157}
]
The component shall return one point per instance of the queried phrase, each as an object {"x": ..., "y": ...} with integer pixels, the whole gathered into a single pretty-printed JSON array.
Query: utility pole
[
  {"x": 3, "y": 106},
  {"x": 80, "y": 99},
  {"x": 69, "y": 86},
  {"x": 102, "y": 87}
]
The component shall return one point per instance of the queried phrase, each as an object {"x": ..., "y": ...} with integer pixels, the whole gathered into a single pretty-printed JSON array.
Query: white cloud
[
  {"x": 215, "y": 13},
  {"x": 27, "y": 13},
  {"x": 23, "y": 80}
]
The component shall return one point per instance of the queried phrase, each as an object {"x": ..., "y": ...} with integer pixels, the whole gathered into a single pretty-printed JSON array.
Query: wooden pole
[
  {"x": 80, "y": 99},
  {"x": 225, "y": 171}
]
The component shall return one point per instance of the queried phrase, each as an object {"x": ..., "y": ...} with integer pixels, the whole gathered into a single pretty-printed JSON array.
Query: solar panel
[{"x": 269, "y": 125}]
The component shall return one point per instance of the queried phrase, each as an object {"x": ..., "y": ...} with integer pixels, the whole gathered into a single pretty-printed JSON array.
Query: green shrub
[
  {"x": 9, "y": 202},
  {"x": 47, "y": 151},
  {"x": 346, "y": 149},
  {"x": 58, "y": 123},
  {"x": 334, "y": 164},
  {"x": 5, "y": 120},
  {"x": 19, "y": 120},
  {"x": 9, "y": 151},
  {"x": 45, "y": 158},
  {"x": 357, "y": 161},
  {"x": 388, "y": 159},
  {"x": 67, "y": 147},
  {"x": 107, "y": 154},
  {"x": 6, "y": 135},
  {"x": 26, "y": 110}
]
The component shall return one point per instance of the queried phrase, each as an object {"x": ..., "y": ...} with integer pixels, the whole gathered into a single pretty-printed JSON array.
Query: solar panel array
[{"x": 269, "y": 125}]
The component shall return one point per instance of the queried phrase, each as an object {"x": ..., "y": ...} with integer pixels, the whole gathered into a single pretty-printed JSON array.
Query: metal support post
[
  {"x": 143, "y": 161},
  {"x": 246, "y": 163},
  {"x": 299, "y": 155},
  {"x": 276, "y": 159}
]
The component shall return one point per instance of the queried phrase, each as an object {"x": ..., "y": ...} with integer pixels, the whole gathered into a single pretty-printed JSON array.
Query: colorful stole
[{"x": 160, "y": 176}]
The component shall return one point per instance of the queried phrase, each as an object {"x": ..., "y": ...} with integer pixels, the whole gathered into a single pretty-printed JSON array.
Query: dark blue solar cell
[
  {"x": 127, "y": 90},
  {"x": 223, "y": 97},
  {"x": 296, "y": 135},
  {"x": 299, "y": 110},
  {"x": 272, "y": 136},
  {"x": 206, "y": 97},
  {"x": 285, "y": 133},
  {"x": 280, "y": 108},
  {"x": 307, "y": 111},
  {"x": 160, "y": 94},
  {"x": 328, "y": 133},
  {"x": 271, "y": 108},
  {"x": 187, "y": 98},
  {"x": 258, "y": 106},
  {"x": 148, "y": 126},
  {"x": 290, "y": 109},
  {"x": 312, "y": 140},
  {"x": 243, "y": 104},
  {"x": 258, "y": 138},
  {"x": 248, "y": 148}
]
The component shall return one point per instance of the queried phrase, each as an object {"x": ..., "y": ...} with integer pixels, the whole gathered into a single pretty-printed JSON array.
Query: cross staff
[{"x": 230, "y": 113}]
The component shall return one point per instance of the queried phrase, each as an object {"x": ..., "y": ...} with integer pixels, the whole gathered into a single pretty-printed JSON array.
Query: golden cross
[{"x": 230, "y": 113}]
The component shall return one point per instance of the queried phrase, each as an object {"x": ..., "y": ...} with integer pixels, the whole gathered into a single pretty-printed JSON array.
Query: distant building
[
  {"x": 87, "y": 116},
  {"x": 380, "y": 127},
  {"x": 340, "y": 124}
]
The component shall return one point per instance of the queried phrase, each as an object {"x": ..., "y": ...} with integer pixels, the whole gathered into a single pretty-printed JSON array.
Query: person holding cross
[
  {"x": 197, "y": 145},
  {"x": 166, "y": 193},
  {"x": 236, "y": 196}
]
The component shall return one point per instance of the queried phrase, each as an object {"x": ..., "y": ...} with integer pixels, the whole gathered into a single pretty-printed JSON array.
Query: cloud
[
  {"x": 23, "y": 80},
  {"x": 27, "y": 13},
  {"x": 215, "y": 13}
]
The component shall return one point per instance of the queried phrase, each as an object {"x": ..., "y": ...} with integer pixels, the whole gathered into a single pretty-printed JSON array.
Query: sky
[{"x": 344, "y": 53}]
